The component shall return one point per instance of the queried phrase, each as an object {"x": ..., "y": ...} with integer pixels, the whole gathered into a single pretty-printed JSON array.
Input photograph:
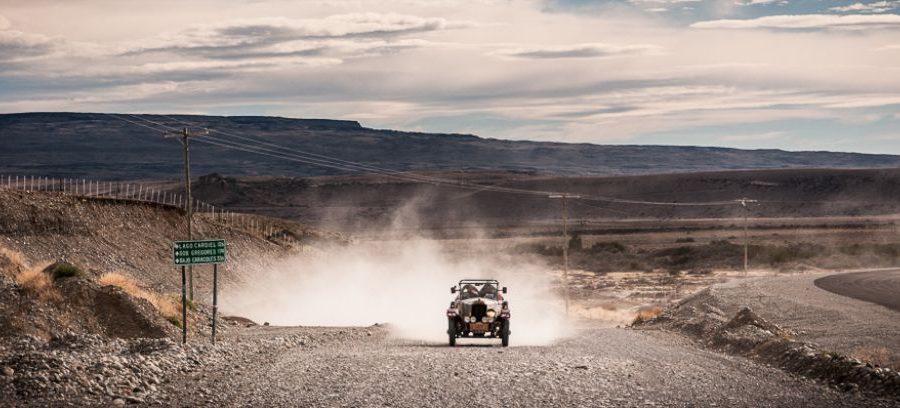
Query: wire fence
[{"x": 141, "y": 193}]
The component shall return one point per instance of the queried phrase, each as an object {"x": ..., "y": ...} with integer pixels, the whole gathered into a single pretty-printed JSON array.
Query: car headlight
[
  {"x": 471, "y": 319},
  {"x": 486, "y": 319},
  {"x": 491, "y": 313}
]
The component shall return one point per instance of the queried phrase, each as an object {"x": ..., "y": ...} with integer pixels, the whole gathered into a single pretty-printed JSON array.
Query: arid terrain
[
  {"x": 445, "y": 203},
  {"x": 660, "y": 314},
  {"x": 359, "y": 203},
  {"x": 97, "y": 144}
]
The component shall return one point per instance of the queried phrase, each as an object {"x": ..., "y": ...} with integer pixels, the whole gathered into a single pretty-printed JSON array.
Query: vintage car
[{"x": 479, "y": 311}]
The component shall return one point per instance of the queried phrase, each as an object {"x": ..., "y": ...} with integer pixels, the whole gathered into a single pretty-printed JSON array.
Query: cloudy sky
[{"x": 790, "y": 74}]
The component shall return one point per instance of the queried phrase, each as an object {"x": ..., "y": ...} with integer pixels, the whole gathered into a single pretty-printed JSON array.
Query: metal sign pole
[
  {"x": 215, "y": 300},
  {"x": 183, "y": 306},
  {"x": 187, "y": 253}
]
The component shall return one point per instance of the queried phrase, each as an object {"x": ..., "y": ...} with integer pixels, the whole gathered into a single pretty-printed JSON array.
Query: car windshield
[
  {"x": 476, "y": 290},
  {"x": 488, "y": 291},
  {"x": 468, "y": 291}
]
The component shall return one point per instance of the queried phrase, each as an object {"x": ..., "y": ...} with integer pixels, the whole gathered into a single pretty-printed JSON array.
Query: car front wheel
[
  {"x": 504, "y": 333},
  {"x": 451, "y": 332}
]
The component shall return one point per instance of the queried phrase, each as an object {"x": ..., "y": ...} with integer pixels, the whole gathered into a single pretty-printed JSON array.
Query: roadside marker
[{"x": 199, "y": 253}]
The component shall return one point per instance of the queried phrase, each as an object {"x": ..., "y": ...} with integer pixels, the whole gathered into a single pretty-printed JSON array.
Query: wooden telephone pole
[
  {"x": 565, "y": 217},
  {"x": 184, "y": 137},
  {"x": 744, "y": 202}
]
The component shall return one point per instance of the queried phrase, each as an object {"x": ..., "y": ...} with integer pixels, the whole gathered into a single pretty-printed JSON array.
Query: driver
[
  {"x": 469, "y": 291},
  {"x": 488, "y": 291}
]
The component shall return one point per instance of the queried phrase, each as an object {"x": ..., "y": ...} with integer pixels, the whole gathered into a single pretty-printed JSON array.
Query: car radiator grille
[{"x": 479, "y": 310}]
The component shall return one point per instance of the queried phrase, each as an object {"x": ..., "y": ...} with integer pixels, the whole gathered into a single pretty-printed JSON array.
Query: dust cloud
[{"x": 405, "y": 283}]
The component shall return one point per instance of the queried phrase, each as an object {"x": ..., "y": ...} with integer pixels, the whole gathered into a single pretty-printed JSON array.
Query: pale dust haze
[{"x": 405, "y": 284}]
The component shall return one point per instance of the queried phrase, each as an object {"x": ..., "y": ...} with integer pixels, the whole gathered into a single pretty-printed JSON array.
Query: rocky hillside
[
  {"x": 90, "y": 299},
  {"x": 107, "y": 147},
  {"x": 110, "y": 235},
  {"x": 113, "y": 243}
]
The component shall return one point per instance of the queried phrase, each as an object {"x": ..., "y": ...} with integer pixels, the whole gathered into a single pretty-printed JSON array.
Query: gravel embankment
[
  {"x": 90, "y": 370},
  {"x": 597, "y": 367},
  {"x": 834, "y": 322},
  {"x": 790, "y": 323}
]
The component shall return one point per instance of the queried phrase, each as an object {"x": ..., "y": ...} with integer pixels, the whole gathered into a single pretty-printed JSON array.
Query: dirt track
[
  {"x": 597, "y": 367},
  {"x": 881, "y": 287},
  {"x": 837, "y": 323}
]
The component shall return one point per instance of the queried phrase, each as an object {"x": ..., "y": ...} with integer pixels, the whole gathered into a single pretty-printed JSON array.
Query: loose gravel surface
[
  {"x": 880, "y": 287},
  {"x": 834, "y": 322},
  {"x": 597, "y": 367}
]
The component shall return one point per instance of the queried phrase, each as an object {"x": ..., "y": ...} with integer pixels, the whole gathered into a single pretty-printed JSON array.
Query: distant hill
[
  {"x": 358, "y": 203},
  {"x": 101, "y": 146}
]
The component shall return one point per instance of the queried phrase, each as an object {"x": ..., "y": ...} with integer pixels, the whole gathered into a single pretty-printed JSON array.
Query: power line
[
  {"x": 582, "y": 203},
  {"x": 353, "y": 166},
  {"x": 402, "y": 176},
  {"x": 435, "y": 179},
  {"x": 314, "y": 155}
]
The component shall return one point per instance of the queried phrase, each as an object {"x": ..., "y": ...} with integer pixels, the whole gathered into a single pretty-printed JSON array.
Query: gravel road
[
  {"x": 881, "y": 287},
  {"x": 597, "y": 367},
  {"x": 835, "y": 322}
]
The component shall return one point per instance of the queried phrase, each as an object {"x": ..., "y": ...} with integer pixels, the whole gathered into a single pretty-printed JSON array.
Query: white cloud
[
  {"x": 753, "y": 137},
  {"x": 4, "y": 23},
  {"x": 16, "y": 45},
  {"x": 591, "y": 50},
  {"x": 873, "y": 7},
  {"x": 559, "y": 76},
  {"x": 807, "y": 21},
  {"x": 758, "y": 2},
  {"x": 229, "y": 65},
  {"x": 665, "y": 1},
  {"x": 259, "y": 32}
]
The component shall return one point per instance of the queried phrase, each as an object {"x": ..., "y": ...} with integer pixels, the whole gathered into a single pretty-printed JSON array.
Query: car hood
[{"x": 465, "y": 306}]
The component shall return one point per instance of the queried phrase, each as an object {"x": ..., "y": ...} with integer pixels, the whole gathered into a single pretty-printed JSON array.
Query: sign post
[
  {"x": 215, "y": 299},
  {"x": 199, "y": 253},
  {"x": 183, "y": 306}
]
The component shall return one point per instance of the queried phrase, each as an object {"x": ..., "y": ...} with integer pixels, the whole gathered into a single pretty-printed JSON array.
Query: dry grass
[
  {"x": 881, "y": 356},
  {"x": 164, "y": 305},
  {"x": 646, "y": 314},
  {"x": 32, "y": 279},
  {"x": 38, "y": 282},
  {"x": 16, "y": 257}
]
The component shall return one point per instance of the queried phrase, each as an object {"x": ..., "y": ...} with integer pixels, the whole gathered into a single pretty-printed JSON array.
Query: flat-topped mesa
[{"x": 319, "y": 124}]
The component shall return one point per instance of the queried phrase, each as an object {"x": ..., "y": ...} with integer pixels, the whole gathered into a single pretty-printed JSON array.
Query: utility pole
[
  {"x": 565, "y": 217},
  {"x": 184, "y": 137},
  {"x": 744, "y": 202}
]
